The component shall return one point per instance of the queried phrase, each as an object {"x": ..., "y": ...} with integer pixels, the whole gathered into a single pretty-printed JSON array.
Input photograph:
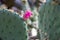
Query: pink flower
[{"x": 27, "y": 14}]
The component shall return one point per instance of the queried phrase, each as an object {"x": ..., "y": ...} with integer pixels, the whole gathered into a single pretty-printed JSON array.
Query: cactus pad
[
  {"x": 12, "y": 27},
  {"x": 50, "y": 20}
]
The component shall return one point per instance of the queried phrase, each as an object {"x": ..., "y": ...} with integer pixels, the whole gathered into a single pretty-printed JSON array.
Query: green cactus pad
[
  {"x": 12, "y": 27},
  {"x": 50, "y": 20}
]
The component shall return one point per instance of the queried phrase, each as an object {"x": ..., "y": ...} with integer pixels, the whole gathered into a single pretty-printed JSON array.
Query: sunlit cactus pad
[{"x": 12, "y": 27}]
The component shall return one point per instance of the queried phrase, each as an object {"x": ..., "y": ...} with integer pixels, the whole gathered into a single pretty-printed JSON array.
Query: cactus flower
[{"x": 27, "y": 14}]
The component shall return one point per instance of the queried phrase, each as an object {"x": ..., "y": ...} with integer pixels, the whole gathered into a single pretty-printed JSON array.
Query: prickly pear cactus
[
  {"x": 12, "y": 27},
  {"x": 50, "y": 20}
]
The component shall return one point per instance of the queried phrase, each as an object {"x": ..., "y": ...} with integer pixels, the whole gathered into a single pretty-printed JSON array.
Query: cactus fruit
[
  {"x": 50, "y": 20},
  {"x": 12, "y": 27}
]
